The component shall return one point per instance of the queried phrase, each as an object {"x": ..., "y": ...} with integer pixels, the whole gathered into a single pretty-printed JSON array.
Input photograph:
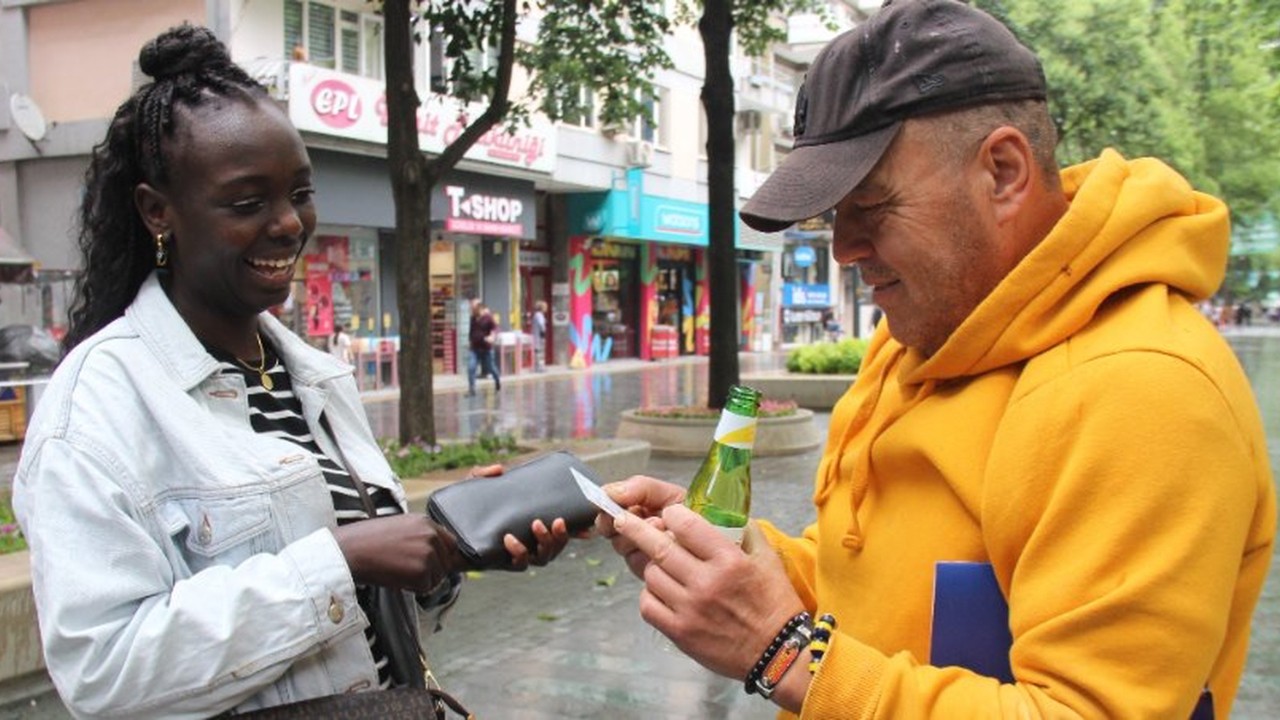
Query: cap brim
[{"x": 814, "y": 178}]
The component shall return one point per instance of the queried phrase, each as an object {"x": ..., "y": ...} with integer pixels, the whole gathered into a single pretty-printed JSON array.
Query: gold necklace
[{"x": 263, "y": 377}]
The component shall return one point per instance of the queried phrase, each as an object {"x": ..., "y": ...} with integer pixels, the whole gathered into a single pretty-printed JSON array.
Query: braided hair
[{"x": 189, "y": 67}]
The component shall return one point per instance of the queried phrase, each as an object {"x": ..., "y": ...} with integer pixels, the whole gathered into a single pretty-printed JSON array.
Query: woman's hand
[
  {"x": 409, "y": 551},
  {"x": 550, "y": 541}
]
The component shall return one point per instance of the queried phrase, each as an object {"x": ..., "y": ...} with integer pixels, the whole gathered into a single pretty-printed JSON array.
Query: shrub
[
  {"x": 419, "y": 458},
  {"x": 11, "y": 539},
  {"x": 768, "y": 408},
  {"x": 826, "y": 358}
]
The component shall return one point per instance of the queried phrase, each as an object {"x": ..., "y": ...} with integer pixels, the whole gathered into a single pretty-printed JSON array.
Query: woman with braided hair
[{"x": 208, "y": 512}]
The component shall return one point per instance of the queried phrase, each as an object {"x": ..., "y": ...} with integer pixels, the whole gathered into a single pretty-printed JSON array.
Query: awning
[{"x": 16, "y": 266}]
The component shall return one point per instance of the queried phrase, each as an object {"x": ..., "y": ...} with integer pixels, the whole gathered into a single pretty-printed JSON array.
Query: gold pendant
[{"x": 266, "y": 381}]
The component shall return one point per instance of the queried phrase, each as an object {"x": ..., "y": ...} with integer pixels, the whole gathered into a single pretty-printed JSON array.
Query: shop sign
[
  {"x": 620, "y": 251},
  {"x": 796, "y": 317},
  {"x": 675, "y": 253},
  {"x": 668, "y": 219},
  {"x": 350, "y": 106},
  {"x": 803, "y": 256},
  {"x": 484, "y": 205},
  {"x": 483, "y": 214},
  {"x": 535, "y": 258},
  {"x": 799, "y": 294}
]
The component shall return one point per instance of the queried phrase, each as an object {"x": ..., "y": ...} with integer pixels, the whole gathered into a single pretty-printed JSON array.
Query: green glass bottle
[{"x": 721, "y": 490}]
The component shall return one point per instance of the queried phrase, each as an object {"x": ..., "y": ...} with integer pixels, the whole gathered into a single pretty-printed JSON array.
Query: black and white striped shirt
[{"x": 278, "y": 413}]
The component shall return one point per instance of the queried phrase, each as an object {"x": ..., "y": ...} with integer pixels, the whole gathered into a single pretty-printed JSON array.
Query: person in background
[
  {"x": 340, "y": 344},
  {"x": 193, "y": 484},
  {"x": 539, "y": 335},
  {"x": 482, "y": 335},
  {"x": 1044, "y": 430}
]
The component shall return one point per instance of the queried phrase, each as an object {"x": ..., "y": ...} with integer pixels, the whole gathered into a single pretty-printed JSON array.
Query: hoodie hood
[{"x": 1130, "y": 223}]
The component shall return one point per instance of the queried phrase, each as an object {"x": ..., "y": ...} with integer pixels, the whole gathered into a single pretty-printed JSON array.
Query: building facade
[{"x": 608, "y": 225}]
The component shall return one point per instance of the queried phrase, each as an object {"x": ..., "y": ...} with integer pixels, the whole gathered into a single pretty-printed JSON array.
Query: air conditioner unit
[{"x": 639, "y": 153}]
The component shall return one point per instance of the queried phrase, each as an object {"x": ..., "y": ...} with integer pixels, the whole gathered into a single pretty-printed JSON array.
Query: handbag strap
[{"x": 397, "y": 598}]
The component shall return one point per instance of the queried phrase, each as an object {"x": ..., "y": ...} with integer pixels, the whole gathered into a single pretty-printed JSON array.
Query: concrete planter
[
  {"x": 815, "y": 392},
  {"x": 690, "y": 437}
]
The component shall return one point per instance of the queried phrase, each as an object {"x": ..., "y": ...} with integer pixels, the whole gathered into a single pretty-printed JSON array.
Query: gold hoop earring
[{"x": 162, "y": 250}]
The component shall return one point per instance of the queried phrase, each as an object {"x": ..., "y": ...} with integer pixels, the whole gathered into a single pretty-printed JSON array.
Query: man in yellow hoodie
[{"x": 1047, "y": 494}]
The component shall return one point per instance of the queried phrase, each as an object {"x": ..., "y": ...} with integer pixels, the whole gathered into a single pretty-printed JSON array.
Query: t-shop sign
[
  {"x": 350, "y": 106},
  {"x": 483, "y": 214}
]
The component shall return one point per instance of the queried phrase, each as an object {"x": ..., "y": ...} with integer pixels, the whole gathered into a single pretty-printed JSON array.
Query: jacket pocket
[{"x": 219, "y": 531}]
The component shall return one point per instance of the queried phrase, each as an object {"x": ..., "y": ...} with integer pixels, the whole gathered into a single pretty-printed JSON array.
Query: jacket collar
[{"x": 181, "y": 353}]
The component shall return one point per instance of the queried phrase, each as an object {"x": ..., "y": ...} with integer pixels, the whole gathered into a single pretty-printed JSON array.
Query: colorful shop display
[{"x": 637, "y": 276}]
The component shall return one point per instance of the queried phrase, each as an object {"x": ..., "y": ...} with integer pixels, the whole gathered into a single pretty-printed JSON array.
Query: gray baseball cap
[{"x": 912, "y": 58}]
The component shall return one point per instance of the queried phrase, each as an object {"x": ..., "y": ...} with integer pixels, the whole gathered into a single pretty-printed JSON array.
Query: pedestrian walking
[
  {"x": 340, "y": 344},
  {"x": 482, "y": 336},
  {"x": 213, "y": 527},
  {"x": 539, "y": 336},
  {"x": 1048, "y": 491}
]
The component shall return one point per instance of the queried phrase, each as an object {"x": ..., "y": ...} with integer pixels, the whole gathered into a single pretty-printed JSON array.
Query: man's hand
[
  {"x": 720, "y": 605},
  {"x": 645, "y": 497}
]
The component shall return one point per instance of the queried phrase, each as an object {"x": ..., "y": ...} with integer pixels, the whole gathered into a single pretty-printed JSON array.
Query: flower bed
[
  {"x": 419, "y": 458},
  {"x": 768, "y": 409},
  {"x": 690, "y": 434},
  {"x": 11, "y": 539}
]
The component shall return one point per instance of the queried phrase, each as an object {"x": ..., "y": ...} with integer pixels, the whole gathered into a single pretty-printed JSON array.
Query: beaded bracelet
[
  {"x": 822, "y": 630},
  {"x": 779, "y": 656}
]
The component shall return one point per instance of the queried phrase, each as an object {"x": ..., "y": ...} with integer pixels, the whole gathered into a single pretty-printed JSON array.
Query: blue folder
[{"x": 971, "y": 625}]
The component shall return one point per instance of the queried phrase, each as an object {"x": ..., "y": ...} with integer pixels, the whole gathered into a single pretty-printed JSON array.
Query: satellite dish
[{"x": 27, "y": 116}]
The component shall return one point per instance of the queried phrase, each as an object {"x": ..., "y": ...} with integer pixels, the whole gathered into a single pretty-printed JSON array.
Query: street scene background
[{"x": 566, "y": 641}]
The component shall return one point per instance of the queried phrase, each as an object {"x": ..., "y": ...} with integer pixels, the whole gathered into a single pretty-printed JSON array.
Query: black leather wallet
[{"x": 480, "y": 511}]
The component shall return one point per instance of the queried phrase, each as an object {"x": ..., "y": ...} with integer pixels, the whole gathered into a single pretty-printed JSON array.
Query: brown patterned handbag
[{"x": 394, "y": 704}]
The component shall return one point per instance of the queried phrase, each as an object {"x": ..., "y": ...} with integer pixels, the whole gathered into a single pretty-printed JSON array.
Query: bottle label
[
  {"x": 733, "y": 533},
  {"x": 736, "y": 431}
]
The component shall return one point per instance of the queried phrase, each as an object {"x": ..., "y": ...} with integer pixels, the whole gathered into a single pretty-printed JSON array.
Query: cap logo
[
  {"x": 928, "y": 83},
  {"x": 802, "y": 111}
]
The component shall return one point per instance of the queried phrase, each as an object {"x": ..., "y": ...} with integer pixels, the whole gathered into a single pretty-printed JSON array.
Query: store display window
[
  {"x": 614, "y": 287},
  {"x": 335, "y": 283}
]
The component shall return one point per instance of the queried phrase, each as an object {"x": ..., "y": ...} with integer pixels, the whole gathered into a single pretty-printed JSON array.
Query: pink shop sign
[{"x": 350, "y": 106}]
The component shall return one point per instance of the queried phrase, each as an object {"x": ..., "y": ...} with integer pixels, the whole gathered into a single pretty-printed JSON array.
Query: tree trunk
[
  {"x": 411, "y": 191},
  {"x": 716, "y": 29},
  {"x": 412, "y": 178}
]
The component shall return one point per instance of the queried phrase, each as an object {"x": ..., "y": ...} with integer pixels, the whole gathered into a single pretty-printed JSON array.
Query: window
[
  {"x": 320, "y": 40},
  {"x": 584, "y": 114},
  {"x": 655, "y": 128},
  {"x": 326, "y": 36}
]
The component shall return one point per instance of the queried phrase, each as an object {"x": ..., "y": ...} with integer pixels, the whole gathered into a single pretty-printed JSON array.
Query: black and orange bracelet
[{"x": 781, "y": 654}]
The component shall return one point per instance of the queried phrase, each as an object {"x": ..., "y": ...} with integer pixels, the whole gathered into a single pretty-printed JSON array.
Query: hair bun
[{"x": 184, "y": 49}]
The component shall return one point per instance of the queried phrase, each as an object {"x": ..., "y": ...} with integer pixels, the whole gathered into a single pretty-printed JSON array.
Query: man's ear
[
  {"x": 1007, "y": 156},
  {"x": 153, "y": 206}
]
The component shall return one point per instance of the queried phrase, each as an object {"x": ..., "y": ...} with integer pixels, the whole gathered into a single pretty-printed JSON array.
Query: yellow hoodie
[{"x": 1087, "y": 433}]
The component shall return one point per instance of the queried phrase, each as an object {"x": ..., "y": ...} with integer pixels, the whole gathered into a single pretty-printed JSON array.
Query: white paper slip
[{"x": 598, "y": 497}]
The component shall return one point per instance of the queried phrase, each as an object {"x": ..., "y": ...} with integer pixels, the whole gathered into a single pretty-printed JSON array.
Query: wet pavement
[{"x": 566, "y": 641}]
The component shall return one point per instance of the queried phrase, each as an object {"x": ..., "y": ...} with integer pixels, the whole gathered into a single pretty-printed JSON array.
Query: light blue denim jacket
[{"x": 184, "y": 565}]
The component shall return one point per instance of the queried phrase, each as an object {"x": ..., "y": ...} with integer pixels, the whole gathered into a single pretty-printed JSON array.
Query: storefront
[
  {"x": 475, "y": 253},
  {"x": 637, "y": 278},
  {"x": 806, "y": 313},
  {"x": 478, "y": 222}
]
